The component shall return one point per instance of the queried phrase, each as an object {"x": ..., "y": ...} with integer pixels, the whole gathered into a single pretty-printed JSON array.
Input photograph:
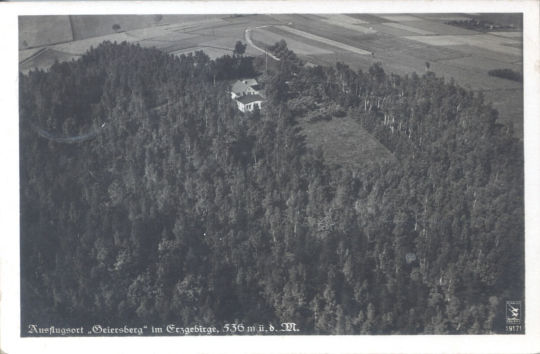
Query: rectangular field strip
[{"x": 324, "y": 40}]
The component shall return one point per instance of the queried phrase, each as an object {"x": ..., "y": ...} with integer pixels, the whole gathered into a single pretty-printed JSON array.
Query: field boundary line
[{"x": 35, "y": 55}]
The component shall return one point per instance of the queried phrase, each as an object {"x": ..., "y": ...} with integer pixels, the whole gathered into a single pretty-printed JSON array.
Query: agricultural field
[
  {"x": 516, "y": 34},
  {"x": 444, "y": 17},
  {"x": 411, "y": 29},
  {"x": 267, "y": 37},
  {"x": 324, "y": 40},
  {"x": 439, "y": 28},
  {"x": 350, "y": 23},
  {"x": 95, "y": 26},
  {"x": 403, "y": 43},
  {"x": 45, "y": 58},
  {"x": 507, "y": 19},
  {"x": 487, "y": 42},
  {"x": 35, "y": 31},
  {"x": 399, "y": 18},
  {"x": 27, "y": 54}
]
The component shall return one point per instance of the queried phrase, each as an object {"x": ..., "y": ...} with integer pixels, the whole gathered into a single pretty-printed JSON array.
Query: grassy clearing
[
  {"x": 344, "y": 142},
  {"x": 509, "y": 103}
]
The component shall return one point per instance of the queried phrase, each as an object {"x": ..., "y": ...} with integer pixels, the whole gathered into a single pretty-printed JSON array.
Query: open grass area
[
  {"x": 509, "y": 103},
  {"x": 344, "y": 142}
]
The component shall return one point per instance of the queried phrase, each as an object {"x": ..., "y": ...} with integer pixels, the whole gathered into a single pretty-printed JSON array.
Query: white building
[
  {"x": 248, "y": 103},
  {"x": 247, "y": 94}
]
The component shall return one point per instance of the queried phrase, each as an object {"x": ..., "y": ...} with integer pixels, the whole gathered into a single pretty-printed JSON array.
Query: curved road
[
  {"x": 250, "y": 42},
  {"x": 66, "y": 139},
  {"x": 78, "y": 138}
]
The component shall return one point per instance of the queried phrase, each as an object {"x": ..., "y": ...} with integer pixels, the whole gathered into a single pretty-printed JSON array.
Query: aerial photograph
[{"x": 271, "y": 174}]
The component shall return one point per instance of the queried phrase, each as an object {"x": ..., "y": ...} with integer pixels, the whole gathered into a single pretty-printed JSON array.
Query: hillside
[{"x": 195, "y": 213}]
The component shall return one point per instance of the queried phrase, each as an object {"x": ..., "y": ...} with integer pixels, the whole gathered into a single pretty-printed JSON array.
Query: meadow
[{"x": 344, "y": 142}]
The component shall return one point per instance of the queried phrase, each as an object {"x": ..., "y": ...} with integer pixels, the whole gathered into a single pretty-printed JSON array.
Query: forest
[
  {"x": 175, "y": 207},
  {"x": 508, "y": 74}
]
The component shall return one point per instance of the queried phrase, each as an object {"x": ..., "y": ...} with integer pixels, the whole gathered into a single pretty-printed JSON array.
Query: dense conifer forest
[{"x": 148, "y": 198}]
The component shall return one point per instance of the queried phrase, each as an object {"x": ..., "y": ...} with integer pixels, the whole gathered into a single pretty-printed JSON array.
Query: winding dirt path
[
  {"x": 67, "y": 139},
  {"x": 247, "y": 35}
]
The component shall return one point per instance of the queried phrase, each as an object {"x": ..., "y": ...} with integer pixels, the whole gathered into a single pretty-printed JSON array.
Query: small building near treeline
[
  {"x": 249, "y": 102},
  {"x": 248, "y": 94}
]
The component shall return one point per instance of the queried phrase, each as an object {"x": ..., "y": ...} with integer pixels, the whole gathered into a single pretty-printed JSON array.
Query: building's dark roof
[
  {"x": 249, "y": 82},
  {"x": 249, "y": 99},
  {"x": 239, "y": 87}
]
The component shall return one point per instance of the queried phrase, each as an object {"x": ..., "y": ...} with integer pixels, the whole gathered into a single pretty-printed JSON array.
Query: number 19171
[{"x": 514, "y": 328}]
